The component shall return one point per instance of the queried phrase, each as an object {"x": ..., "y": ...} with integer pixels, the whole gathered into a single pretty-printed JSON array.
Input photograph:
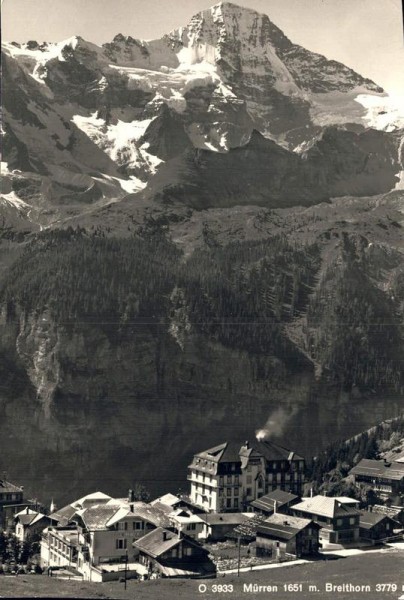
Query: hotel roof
[
  {"x": 9, "y": 488},
  {"x": 233, "y": 452}
]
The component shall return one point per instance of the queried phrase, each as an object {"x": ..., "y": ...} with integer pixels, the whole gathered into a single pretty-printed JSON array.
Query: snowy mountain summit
[{"x": 103, "y": 119}]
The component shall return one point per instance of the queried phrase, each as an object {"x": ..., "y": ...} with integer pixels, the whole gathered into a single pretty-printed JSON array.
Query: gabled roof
[
  {"x": 159, "y": 541},
  {"x": 368, "y": 519},
  {"x": 26, "y": 511},
  {"x": 267, "y": 502},
  {"x": 6, "y": 487},
  {"x": 272, "y": 451},
  {"x": 284, "y": 527},
  {"x": 225, "y": 518},
  {"x": 379, "y": 468},
  {"x": 94, "y": 498},
  {"x": 233, "y": 452},
  {"x": 168, "y": 499},
  {"x": 29, "y": 517},
  {"x": 96, "y": 517},
  {"x": 148, "y": 512},
  {"x": 325, "y": 506},
  {"x": 63, "y": 515}
]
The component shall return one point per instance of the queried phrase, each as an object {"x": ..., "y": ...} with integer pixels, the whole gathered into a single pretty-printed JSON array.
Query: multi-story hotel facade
[{"x": 229, "y": 476}]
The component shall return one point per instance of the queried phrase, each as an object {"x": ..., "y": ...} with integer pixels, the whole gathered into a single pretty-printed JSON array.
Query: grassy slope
[{"x": 379, "y": 567}]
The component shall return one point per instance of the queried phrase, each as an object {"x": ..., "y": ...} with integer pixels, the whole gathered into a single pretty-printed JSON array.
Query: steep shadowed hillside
[{"x": 201, "y": 236}]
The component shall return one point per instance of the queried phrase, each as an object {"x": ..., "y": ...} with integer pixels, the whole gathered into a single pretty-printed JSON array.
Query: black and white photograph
[{"x": 202, "y": 300}]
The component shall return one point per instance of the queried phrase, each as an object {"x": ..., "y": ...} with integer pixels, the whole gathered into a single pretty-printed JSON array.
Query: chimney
[
  {"x": 311, "y": 492},
  {"x": 131, "y": 496},
  {"x": 132, "y": 508},
  {"x": 275, "y": 507},
  {"x": 27, "y": 510},
  {"x": 246, "y": 444},
  {"x": 164, "y": 536}
]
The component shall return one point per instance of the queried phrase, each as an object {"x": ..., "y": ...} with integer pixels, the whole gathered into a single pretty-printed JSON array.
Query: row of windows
[
  {"x": 58, "y": 544},
  {"x": 10, "y": 497},
  {"x": 136, "y": 525}
]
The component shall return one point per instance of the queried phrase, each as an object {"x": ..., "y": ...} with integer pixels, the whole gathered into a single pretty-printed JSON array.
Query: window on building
[
  {"x": 138, "y": 525},
  {"x": 229, "y": 491},
  {"x": 191, "y": 527},
  {"x": 228, "y": 478},
  {"x": 249, "y": 478},
  {"x": 236, "y": 491},
  {"x": 352, "y": 520},
  {"x": 236, "y": 479},
  {"x": 187, "y": 551},
  {"x": 228, "y": 503},
  {"x": 120, "y": 544},
  {"x": 123, "y": 525},
  {"x": 236, "y": 503},
  {"x": 220, "y": 480},
  {"x": 248, "y": 491},
  {"x": 339, "y": 522}
]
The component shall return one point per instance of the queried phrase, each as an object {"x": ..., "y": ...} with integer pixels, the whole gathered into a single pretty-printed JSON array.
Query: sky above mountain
[{"x": 366, "y": 35}]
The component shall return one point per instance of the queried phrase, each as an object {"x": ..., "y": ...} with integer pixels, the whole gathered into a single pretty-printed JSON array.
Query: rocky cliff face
[
  {"x": 95, "y": 123},
  {"x": 122, "y": 398},
  {"x": 197, "y": 242}
]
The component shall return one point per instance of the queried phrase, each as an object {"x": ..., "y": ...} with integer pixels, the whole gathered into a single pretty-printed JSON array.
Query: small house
[
  {"x": 384, "y": 477},
  {"x": 339, "y": 521},
  {"x": 29, "y": 523},
  {"x": 376, "y": 527},
  {"x": 284, "y": 534},
  {"x": 218, "y": 526},
  {"x": 171, "y": 554}
]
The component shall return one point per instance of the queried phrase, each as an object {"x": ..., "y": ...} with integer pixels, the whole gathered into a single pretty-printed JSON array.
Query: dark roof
[
  {"x": 9, "y": 488},
  {"x": 390, "y": 511},
  {"x": 224, "y": 518},
  {"x": 379, "y": 468},
  {"x": 267, "y": 502},
  {"x": 283, "y": 527},
  {"x": 153, "y": 514},
  {"x": 26, "y": 519},
  {"x": 368, "y": 519},
  {"x": 63, "y": 515},
  {"x": 159, "y": 541},
  {"x": 96, "y": 517},
  {"x": 236, "y": 452},
  {"x": 272, "y": 451},
  {"x": 325, "y": 506}
]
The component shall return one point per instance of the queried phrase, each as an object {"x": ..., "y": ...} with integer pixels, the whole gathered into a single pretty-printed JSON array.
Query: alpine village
[
  {"x": 250, "y": 504},
  {"x": 202, "y": 300}
]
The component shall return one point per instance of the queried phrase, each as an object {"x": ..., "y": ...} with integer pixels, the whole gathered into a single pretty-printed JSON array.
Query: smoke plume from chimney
[{"x": 276, "y": 424}]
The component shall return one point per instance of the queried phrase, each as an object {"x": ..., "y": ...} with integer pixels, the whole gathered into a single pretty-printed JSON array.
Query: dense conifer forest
[
  {"x": 243, "y": 295},
  {"x": 328, "y": 471}
]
